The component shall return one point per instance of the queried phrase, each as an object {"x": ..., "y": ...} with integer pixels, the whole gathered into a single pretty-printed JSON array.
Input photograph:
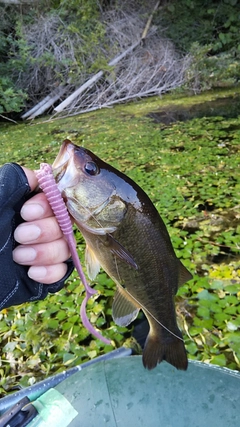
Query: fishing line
[
  {"x": 156, "y": 320},
  {"x": 141, "y": 305},
  {"x": 91, "y": 215}
]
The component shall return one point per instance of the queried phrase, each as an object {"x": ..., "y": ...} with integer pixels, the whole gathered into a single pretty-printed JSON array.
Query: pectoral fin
[
  {"x": 117, "y": 249},
  {"x": 124, "y": 311},
  {"x": 92, "y": 263}
]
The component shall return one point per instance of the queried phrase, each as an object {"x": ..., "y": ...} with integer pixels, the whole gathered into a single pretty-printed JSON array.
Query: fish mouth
[
  {"x": 63, "y": 157},
  {"x": 63, "y": 166}
]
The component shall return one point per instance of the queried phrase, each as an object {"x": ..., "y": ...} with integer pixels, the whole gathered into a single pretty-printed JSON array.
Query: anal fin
[{"x": 124, "y": 310}]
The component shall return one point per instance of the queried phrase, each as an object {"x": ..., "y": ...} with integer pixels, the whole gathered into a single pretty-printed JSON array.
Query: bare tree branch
[{"x": 140, "y": 68}]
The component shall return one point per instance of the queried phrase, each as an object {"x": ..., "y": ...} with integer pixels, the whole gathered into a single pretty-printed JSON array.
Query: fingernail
[
  {"x": 23, "y": 255},
  {"x": 26, "y": 233},
  {"x": 31, "y": 211},
  {"x": 37, "y": 273}
]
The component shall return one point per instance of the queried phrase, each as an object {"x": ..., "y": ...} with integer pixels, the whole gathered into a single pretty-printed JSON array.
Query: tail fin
[{"x": 166, "y": 347}]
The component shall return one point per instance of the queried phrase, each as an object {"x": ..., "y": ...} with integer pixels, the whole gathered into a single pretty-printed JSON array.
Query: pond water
[
  {"x": 226, "y": 107},
  {"x": 184, "y": 152}
]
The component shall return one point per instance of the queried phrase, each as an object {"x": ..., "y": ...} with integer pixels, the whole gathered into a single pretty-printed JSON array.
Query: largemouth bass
[{"x": 126, "y": 236}]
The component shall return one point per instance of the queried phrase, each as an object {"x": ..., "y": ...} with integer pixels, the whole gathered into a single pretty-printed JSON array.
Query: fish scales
[
  {"x": 125, "y": 235},
  {"x": 150, "y": 284}
]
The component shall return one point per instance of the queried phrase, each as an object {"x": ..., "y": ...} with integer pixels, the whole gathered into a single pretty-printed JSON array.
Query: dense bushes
[
  {"x": 48, "y": 43},
  {"x": 210, "y": 31}
]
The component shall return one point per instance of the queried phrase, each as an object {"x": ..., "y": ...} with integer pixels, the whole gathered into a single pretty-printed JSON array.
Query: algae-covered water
[{"x": 184, "y": 152}]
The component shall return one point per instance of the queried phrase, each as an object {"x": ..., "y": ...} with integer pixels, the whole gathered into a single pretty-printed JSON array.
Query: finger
[
  {"x": 36, "y": 208},
  {"x": 40, "y": 231},
  {"x": 48, "y": 274},
  {"x": 42, "y": 254},
  {"x": 31, "y": 177}
]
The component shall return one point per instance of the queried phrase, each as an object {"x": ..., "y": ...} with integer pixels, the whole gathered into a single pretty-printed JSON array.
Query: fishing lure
[{"x": 49, "y": 187}]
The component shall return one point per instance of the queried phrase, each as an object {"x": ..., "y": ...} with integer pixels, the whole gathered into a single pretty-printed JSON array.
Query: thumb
[{"x": 31, "y": 177}]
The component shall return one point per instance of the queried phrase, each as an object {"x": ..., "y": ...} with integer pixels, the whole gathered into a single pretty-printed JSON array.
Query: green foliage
[
  {"x": 86, "y": 11},
  {"x": 61, "y": 42},
  {"x": 210, "y": 32},
  {"x": 190, "y": 170},
  {"x": 213, "y": 327},
  {"x": 10, "y": 99},
  {"x": 205, "y": 22},
  {"x": 208, "y": 71},
  {"x": 45, "y": 338},
  {"x": 45, "y": 46}
]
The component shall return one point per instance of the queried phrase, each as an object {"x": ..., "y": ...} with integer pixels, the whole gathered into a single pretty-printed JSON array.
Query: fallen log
[
  {"x": 48, "y": 104},
  {"x": 44, "y": 104},
  {"x": 89, "y": 83},
  {"x": 35, "y": 108}
]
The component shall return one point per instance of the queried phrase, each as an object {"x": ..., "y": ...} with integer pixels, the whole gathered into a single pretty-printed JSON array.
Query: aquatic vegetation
[{"x": 190, "y": 170}]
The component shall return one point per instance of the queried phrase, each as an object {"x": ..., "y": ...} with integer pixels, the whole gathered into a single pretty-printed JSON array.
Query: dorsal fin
[{"x": 183, "y": 274}]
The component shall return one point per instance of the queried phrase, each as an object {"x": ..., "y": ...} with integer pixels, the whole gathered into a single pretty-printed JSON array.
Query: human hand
[
  {"x": 42, "y": 245},
  {"x": 49, "y": 248}
]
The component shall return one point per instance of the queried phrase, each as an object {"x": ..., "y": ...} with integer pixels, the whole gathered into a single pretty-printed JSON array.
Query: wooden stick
[{"x": 146, "y": 29}]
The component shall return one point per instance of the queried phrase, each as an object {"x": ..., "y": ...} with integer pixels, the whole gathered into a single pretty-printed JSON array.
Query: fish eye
[{"x": 91, "y": 168}]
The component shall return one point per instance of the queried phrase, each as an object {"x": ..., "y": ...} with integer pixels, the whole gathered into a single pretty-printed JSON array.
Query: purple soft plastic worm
[{"x": 49, "y": 187}]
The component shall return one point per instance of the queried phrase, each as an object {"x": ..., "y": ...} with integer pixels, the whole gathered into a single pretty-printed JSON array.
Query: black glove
[{"x": 15, "y": 285}]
